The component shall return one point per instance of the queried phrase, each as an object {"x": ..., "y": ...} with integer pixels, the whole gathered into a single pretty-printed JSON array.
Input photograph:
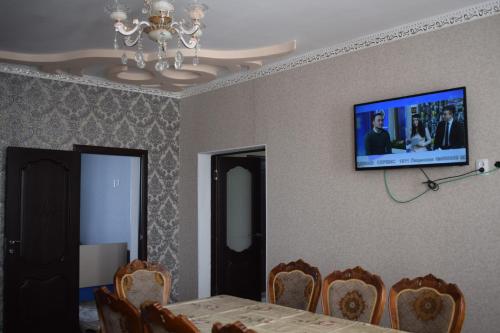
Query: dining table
[{"x": 266, "y": 317}]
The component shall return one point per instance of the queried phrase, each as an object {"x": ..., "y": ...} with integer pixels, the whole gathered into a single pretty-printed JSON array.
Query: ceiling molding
[
  {"x": 86, "y": 80},
  {"x": 213, "y": 64},
  {"x": 434, "y": 23}
]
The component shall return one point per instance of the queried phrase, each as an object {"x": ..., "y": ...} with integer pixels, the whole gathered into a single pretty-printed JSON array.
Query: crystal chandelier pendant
[
  {"x": 179, "y": 58},
  {"x": 159, "y": 66},
  {"x": 116, "y": 46},
  {"x": 139, "y": 59},
  {"x": 124, "y": 59},
  {"x": 139, "y": 55},
  {"x": 162, "y": 64},
  {"x": 196, "y": 60}
]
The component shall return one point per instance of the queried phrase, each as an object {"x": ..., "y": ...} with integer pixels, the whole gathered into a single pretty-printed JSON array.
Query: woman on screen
[{"x": 420, "y": 137}]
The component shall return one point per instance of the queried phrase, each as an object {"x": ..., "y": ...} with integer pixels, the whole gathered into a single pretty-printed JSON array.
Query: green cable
[
  {"x": 394, "y": 198},
  {"x": 437, "y": 182},
  {"x": 471, "y": 175}
]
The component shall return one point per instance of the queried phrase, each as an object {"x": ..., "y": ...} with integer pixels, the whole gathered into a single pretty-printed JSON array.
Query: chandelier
[{"x": 160, "y": 28}]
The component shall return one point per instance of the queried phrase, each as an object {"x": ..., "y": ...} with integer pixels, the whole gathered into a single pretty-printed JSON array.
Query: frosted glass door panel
[{"x": 239, "y": 209}]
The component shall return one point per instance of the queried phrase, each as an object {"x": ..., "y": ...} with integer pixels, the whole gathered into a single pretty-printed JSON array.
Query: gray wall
[
  {"x": 51, "y": 114},
  {"x": 339, "y": 218}
]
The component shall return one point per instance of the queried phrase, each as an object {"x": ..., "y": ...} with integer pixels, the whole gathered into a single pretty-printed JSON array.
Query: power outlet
[{"x": 483, "y": 163}]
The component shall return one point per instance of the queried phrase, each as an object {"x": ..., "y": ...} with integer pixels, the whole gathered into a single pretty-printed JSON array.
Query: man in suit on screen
[
  {"x": 449, "y": 132},
  {"x": 377, "y": 140}
]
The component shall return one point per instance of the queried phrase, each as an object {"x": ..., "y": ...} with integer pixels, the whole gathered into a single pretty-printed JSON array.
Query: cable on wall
[{"x": 433, "y": 185}]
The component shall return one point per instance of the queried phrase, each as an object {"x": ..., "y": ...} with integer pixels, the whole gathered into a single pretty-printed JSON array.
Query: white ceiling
[{"x": 55, "y": 26}]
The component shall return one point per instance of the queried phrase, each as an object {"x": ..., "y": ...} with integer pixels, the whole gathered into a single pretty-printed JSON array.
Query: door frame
[
  {"x": 205, "y": 215},
  {"x": 143, "y": 204}
]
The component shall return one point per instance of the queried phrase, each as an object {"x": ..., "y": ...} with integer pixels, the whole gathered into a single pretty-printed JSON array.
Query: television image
[{"x": 412, "y": 131}]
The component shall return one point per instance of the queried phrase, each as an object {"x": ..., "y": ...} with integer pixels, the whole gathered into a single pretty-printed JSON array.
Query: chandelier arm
[
  {"x": 179, "y": 27},
  {"x": 131, "y": 41},
  {"x": 122, "y": 28},
  {"x": 189, "y": 45}
]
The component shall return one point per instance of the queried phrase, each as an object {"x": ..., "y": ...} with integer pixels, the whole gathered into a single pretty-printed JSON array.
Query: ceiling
[{"x": 76, "y": 37}]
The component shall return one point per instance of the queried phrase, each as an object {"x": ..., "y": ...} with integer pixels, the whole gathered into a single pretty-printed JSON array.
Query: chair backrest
[
  {"x": 296, "y": 285},
  {"x": 426, "y": 304},
  {"x": 116, "y": 315},
  {"x": 140, "y": 281},
  {"x": 354, "y": 294},
  {"x": 158, "y": 319},
  {"x": 236, "y": 327}
]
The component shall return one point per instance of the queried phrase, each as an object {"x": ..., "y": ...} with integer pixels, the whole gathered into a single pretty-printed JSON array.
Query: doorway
[
  {"x": 42, "y": 233},
  {"x": 112, "y": 214},
  {"x": 238, "y": 224},
  {"x": 113, "y": 165}
]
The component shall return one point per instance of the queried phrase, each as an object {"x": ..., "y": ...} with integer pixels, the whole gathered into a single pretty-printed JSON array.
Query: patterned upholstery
[
  {"x": 142, "y": 286},
  {"x": 425, "y": 310},
  {"x": 141, "y": 281},
  {"x": 354, "y": 294},
  {"x": 296, "y": 285},
  {"x": 352, "y": 299},
  {"x": 116, "y": 315},
  {"x": 426, "y": 305},
  {"x": 293, "y": 289}
]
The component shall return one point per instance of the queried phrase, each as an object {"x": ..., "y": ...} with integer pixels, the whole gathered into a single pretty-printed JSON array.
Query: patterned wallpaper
[{"x": 43, "y": 113}]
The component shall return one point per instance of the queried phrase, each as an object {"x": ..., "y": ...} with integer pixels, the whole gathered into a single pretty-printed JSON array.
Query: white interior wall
[{"x": 322, "y": 210}]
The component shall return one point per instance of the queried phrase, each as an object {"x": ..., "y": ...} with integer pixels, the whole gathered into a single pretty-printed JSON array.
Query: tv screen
[{"x": 413, "y": 131}]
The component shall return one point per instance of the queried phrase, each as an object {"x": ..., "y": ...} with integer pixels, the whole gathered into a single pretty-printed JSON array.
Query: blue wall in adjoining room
[{"x": 105, "y": 199}]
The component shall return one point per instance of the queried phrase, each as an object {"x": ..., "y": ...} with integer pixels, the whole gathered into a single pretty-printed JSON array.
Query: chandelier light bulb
[
  {"x": 118, "y": 15},
  {"x": 162, "y": 6},
  {"x": 196, "y": 11}
]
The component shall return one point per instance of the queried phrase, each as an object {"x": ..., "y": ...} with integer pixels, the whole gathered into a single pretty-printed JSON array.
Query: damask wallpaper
[{"x": 51, "y": 114}]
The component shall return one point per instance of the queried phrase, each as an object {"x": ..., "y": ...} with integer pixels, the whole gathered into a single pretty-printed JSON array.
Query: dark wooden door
[
  {"x": 42, "y": 239},
  {"x": 238, "y": 239}
]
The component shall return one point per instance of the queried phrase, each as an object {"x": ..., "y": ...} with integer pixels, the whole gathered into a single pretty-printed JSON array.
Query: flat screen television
[{"x": 412, "y": 131}]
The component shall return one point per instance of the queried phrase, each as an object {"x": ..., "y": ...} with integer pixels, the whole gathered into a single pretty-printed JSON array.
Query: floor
[{"x": 89, "y": 320}]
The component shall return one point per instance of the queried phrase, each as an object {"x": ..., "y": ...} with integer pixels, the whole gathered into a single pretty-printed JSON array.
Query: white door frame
[{"x": 205, "y": 215}]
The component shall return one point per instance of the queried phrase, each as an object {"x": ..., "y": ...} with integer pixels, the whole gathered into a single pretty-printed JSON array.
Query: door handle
[{"x": 12, "y": 243}]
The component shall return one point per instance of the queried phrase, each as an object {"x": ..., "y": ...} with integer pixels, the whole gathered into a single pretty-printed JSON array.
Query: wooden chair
[
  {"x": 116, "y": 315},
  {"x": 354, "y": 294},
  {"x": 426, "y": 304},
  {"x": 141, "y": 281},
  {"x": 158, "y": 319},
  {"x": 236, "y": 327},
  {"x": 296, "y": 285}
]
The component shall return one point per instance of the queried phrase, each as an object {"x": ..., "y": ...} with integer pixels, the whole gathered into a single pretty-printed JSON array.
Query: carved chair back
[
  {"x": 296, "y": 284},
  {"x": 116, "y": 315},
  {"x": 158, "y": 319},
  {"x": 354, "y": 294},
  {"x": 426, "y": 304},
  {"x": 140, "y": 281}
]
